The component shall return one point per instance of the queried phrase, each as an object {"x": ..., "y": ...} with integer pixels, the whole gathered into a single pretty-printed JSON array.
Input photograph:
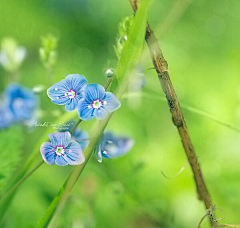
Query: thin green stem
[
  {"x": 76, "y": 125},
  {"x": 108, "y": 83},
  {"x": 186, "y": 107},
  {"x": 22, "y": 180}
]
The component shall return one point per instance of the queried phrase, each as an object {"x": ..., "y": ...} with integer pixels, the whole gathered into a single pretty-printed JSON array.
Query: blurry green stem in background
[
  {"x": 161, "y": 67},
  {"x": 175, "y": 13},
  {"x": 22, "y": 180},
  {"x": 48, "y": 54},
  {"x": 186, "y": 107}
]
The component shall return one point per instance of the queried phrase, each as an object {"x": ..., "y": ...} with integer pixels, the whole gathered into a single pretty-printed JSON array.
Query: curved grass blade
[{"x": 129, "y": 58}]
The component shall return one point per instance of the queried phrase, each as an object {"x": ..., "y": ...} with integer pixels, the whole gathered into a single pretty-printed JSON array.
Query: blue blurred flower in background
[
  {"x": 97, "y": 103},
  {"x": 21, "y": 102},
  {"x": 68, "y": 91},
  {"x": 61, "y": 151},
  {"x": 78, "y": 135},
  {"x": 6, "y": 117},
  {"x": 111, "y": 146}
]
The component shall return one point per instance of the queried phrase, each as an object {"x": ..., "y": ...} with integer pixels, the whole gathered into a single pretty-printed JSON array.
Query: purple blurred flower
[
  {"x": 68, "y": 91},
  {"x": 21, "y": 102},
  {"x": 111, "y": 146},
  {"x": 61, "y": 151},
  {"x": 97, "y": 103}
]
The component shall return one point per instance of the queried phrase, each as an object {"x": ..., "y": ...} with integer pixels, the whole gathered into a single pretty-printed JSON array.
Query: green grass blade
[
  {"x": 132, "y": 50},
  {"x": 129, "y": 58}
]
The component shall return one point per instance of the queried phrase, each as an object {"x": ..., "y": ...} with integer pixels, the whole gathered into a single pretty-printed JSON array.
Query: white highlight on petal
[
  {"x": 56, "y": 89},
  {"x": 89, "y": 106},
  {"x": 105, "y": 102}
]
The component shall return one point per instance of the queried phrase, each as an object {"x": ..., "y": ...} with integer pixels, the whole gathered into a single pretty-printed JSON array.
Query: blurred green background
[{"x": 200, "y": 40}]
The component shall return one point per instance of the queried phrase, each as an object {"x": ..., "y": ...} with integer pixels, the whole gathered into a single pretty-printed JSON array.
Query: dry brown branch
[{"x": 161, "y": 67}]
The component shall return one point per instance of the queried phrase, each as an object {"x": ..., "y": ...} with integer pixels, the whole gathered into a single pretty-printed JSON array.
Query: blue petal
[
  {"x": 93, "y": 92},
  {"x": 125, "y": 144},
  {"x": 21, "y": 101},
  {"x": 74, "y": 154},
  {"x": 84, "y": 112},
  {"x": 57, "y": 92},
  {"x": 61, "y": 100},
  {"x": 98, "y": 152},
  {"x": 48, "y": 153},
  {"x": 114, "y": 146},
  {"x": 6, "y": 118},
  {"x": 81, "y": 137},
  {"x": 61, "y": 160},
  {"x": 110, "y": 102},
  {"x": 60, "y": 138},
  {"x": 72, "y": 104},
  {"x": 76, "y": 82},
  {"x": 100, "y": 113},
  {"x": 110, "y": 150}
]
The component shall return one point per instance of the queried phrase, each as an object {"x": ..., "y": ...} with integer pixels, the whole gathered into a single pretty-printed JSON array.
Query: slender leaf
[
  {"x": 129, "y": 58},
  {"x": 132, "y": 49}
]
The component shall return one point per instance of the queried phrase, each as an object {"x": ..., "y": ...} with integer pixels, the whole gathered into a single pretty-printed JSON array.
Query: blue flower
[
  {"x": 22, "y": 102},
  {"x": 97, "y": 103},
  {"x": 78, "y": 135},
  {"x": 6, "y": 117},
  {"x": 68, "y": 91},
  {"x": 111, "y": 146},
  {"x": 61, "y": 151}
]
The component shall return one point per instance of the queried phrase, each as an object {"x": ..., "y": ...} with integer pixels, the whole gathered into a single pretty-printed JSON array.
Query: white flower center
[
  {"x": 97, "y": 104},
  {"x": 71, "y": 94},
  {"x": 60, "y": 150}
]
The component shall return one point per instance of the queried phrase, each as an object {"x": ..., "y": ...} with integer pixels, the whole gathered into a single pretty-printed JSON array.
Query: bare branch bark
[{"x": 161, "y": 67}]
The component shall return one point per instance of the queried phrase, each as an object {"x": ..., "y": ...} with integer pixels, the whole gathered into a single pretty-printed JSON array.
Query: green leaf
[
  {"x": 132, "y": 49},
  {"x": 129, "y": 58},
  {"x": 10, "y": 155},
  {"x": 35, "y": 155}
]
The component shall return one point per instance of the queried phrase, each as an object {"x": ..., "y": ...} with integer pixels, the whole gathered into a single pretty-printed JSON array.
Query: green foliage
[
  {"x": 10, "y": 156},
  {"x": 47, "y": 51},
  {"x": 11, "y": 54},
  {"x": 132, "y": 50},
  {"x": 122, "y": 36},
  {"x": 201, "y": 45}
]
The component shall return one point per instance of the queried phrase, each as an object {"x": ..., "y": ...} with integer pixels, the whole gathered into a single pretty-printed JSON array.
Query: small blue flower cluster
[
  {"x": 91, "y": 101},
  {"x": 19, "y": 104}
]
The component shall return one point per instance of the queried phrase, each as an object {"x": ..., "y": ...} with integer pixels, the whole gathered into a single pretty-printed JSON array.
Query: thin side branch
[{"x": 161, "y": 67}]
